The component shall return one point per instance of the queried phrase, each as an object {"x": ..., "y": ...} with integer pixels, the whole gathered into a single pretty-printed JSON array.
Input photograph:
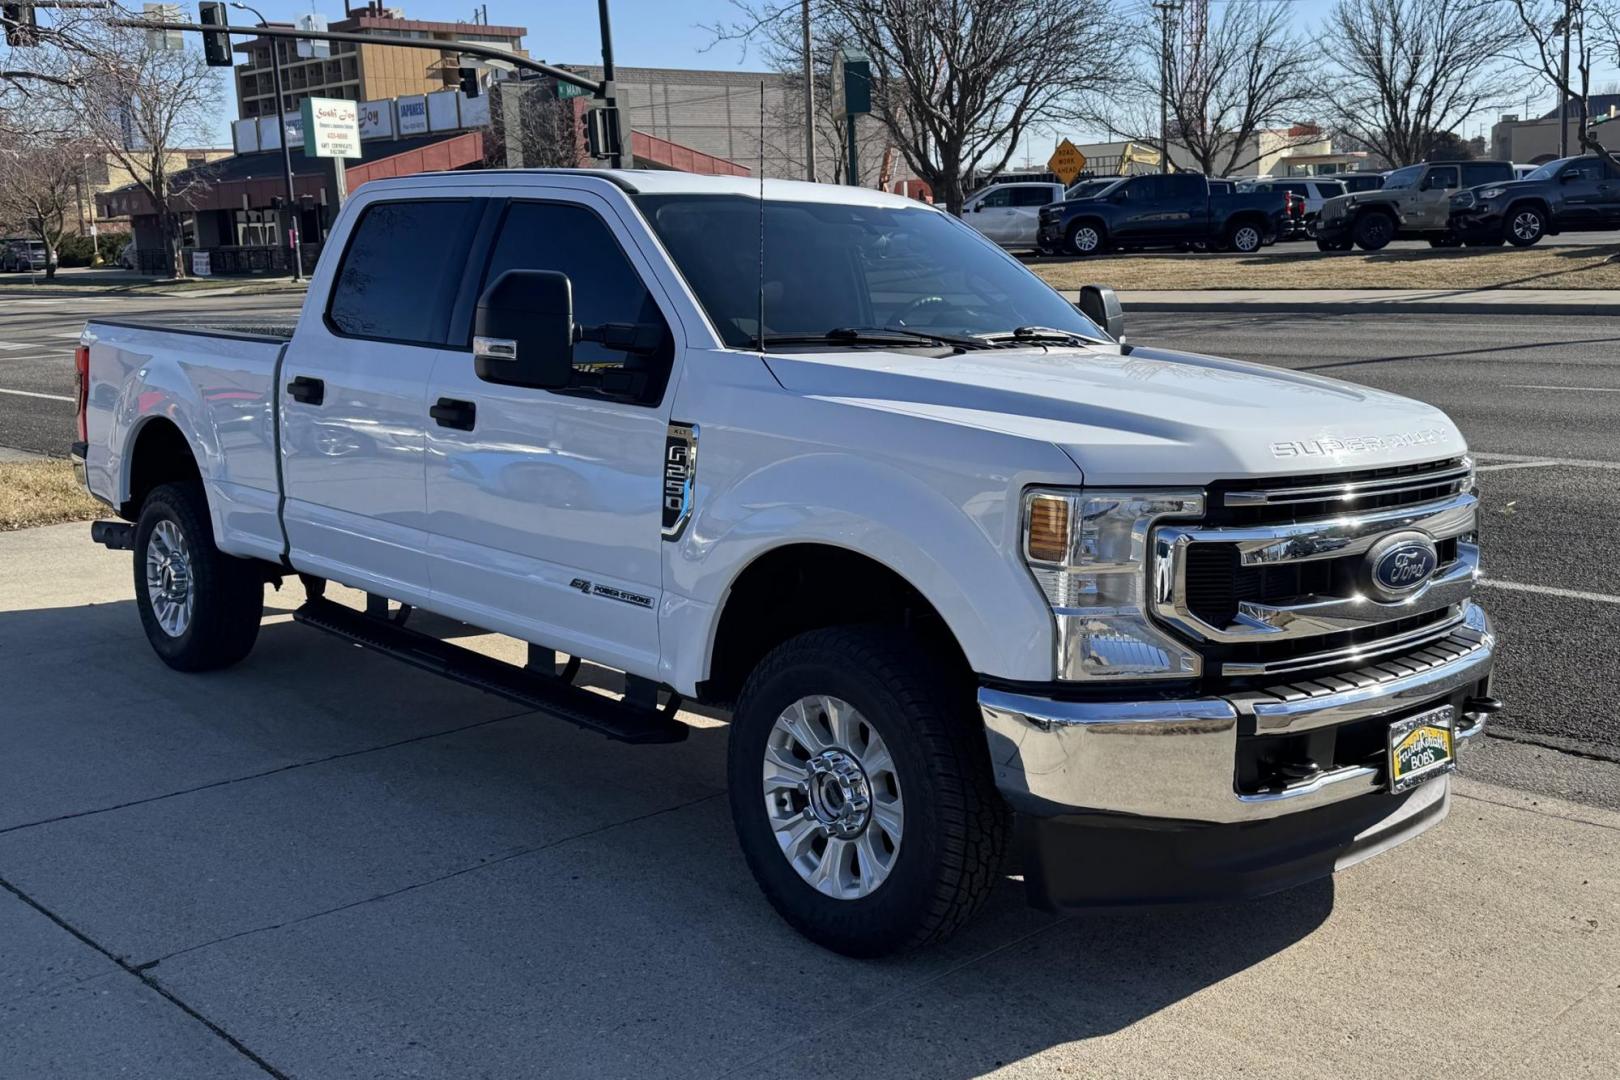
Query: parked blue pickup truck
[{"x": 1169, "y": 210}]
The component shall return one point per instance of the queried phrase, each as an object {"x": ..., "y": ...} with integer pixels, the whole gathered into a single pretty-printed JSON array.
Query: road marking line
[
  {"x": 36, "y": 394},
  {"x": 1548, "y": 590},
  {"x": 1579, "y": 463},
  {"x": 1581, "y": 389},
  {"x": 1516, "y": 465},
  {"x": 15, "y": 345}
]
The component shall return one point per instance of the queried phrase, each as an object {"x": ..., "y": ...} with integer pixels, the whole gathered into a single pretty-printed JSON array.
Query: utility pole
[
  {"x": 809, "y": 97},
  {"x": 1563, "y": 91},
  {"x": 1165, "y": 8},
  {"x": 605, "y": 92},
  {"x": 295, "y": 245}
]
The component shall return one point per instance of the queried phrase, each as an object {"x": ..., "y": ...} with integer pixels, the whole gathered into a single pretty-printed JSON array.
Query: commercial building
[
  {"x": 365, "y": 72},
  {"x": 1534, "y": 141},
  {"x": 1297, "y": 151}
]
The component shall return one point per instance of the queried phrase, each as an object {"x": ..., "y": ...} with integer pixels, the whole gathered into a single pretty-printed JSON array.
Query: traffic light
[
  {"x": 469, "y": 81},
  {"x": 216, "y": 43},
  {"x": 22, "y": 25}
]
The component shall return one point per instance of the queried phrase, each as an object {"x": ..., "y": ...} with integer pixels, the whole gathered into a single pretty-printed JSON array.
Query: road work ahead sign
[
  {"x": 1067, "y": 161},
  {"x": 331, "y": 128}
]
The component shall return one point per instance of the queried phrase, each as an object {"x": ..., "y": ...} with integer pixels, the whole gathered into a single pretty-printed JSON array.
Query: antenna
[{"x": 759, "y": 332}]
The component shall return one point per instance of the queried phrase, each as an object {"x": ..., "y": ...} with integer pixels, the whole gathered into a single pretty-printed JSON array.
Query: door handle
[
  {"x": 307, "y": 390},
  {"x": 451, "y": 413}
]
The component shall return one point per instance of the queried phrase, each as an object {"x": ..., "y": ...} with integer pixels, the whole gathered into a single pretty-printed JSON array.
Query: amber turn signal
[{"x": 1048, "y": 528}]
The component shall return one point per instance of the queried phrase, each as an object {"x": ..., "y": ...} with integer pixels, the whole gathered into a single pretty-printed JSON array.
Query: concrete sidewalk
[
  {"x": 323, "y": 863},
  {"x": 1383, "y": 301}
]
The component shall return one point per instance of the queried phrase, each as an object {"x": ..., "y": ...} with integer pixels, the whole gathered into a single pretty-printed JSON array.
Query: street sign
[
  {"x": 1067, "y": 161},
  {"x": 164, "y": 40},
  {"x": 308, "y": 48},
  {"x": 331, "y": 128}
]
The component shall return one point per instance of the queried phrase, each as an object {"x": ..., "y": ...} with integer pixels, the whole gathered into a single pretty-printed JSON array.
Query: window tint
[
  {"x": 1183, "y": 188},
  {"x": 1031, "y": 196},
  {"x": 1329, "y": 189},
  {"x": 399, "y": 275},
  {"x": 1482, "y": 173},
  {"x": 607, "y": 289},
  {"x": 1586, "y": 169},
  {"x": 1145, "y": 188},
  {"x": 1000, "y": 196},
  {"x": 1443, "y": 176},
  {"x": 1296, "y": 188}
]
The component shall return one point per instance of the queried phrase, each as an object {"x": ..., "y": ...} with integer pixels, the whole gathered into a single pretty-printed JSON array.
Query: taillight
[{"x": 81, "y": 390}]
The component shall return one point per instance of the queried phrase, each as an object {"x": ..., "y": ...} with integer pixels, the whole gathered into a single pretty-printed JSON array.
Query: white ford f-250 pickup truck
[{"x": 964, "y": 567}]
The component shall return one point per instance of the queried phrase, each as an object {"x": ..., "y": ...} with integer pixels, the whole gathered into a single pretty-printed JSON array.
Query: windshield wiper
[
  {"x": 873, "y": 335},
  {"x": 1039, "y": 335}
]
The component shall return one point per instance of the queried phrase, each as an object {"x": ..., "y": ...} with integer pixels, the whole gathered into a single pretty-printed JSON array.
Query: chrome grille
[{"x": 1285, "y": 594}]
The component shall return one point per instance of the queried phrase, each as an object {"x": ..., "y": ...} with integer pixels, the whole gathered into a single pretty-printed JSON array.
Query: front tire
[
  {"x": 1373, "y": 231},
  {"x": 1086, "y": 238},
  {"x": 199, "y": 606},
  {"x": 861, "y": 792},
  {"x": 1525, "y": 226}
]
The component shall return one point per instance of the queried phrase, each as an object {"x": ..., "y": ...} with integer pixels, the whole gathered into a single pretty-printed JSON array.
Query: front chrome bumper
[{"x": 1177, "y": 759}]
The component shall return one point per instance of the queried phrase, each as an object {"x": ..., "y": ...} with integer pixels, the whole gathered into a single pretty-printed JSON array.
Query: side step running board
[{"x": 615, "y": 719}]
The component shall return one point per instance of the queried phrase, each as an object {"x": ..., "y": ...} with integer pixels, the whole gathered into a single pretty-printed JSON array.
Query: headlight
[
  {"x": 1492, "y": 193},
  {"x": 1088, "y": 553}
]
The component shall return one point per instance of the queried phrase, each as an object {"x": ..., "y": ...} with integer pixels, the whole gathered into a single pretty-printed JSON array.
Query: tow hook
[
  {"x": 1475, "y": 710},
  {"x": 114, "y": 535}
]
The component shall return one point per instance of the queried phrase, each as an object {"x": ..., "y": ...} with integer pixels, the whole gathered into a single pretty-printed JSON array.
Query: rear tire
[
  {"x": 1373, "y": 231},
  {"x": 875, "y": 696},
  {"x": 1525, "y": 225},
  {"x": 199, "y": 606},
  {"x": 1245, "y": 238}
]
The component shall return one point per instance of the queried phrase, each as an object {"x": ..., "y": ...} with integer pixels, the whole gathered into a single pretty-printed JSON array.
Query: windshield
[
  {"x": 830, "y": 266},
  {"x": 1549, "y": 170},
  {"x": 1403, "y": 178}
]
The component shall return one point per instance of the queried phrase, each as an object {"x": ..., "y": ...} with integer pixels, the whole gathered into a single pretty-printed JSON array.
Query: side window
[
  {"x": 1474, "y": 175},
  {"x": 1183, "y": 188},
  {"x": 1586, "y": 169},
  {"x": 1296, "y": 187},
  {"x": 1031, "y": 196},
  {"x": 607, "y": 289},
  {"x": 1001, "y": 196},
  {"x": 1144, "y": 188},
  {"x": 1441, "y": 177},
  {"x": 399, "y": 275}
]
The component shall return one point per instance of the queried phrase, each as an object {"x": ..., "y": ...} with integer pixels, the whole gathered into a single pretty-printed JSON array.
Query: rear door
[
  {"x": 544, "y": 507},
  {"x": 353, "y": 394}
]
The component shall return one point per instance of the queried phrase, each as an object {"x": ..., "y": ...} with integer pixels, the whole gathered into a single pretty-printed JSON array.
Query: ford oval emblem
[{"x": 1399, "y": 565}]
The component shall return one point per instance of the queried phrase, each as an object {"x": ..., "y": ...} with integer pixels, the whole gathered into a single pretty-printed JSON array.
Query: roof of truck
[{"x": 670, "y": 182}]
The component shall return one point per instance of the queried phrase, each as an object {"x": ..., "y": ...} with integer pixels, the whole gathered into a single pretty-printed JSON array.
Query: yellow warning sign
[{"x": 1067, "y": 161}]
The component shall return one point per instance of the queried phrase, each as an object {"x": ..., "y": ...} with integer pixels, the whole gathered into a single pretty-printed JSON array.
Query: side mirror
[
  {"x": 1101, "y": 305},
  {"x": 1567, "y": 177},
  {"x": 976, "y": 207},
  {"x": 523, "y": 333}
]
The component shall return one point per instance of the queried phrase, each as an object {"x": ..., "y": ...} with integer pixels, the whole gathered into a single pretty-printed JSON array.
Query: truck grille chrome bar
[{"x": 1351, "y": 491}]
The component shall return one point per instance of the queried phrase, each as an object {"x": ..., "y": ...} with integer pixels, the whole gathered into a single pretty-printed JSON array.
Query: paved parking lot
[{"x": 324, "y": 864}]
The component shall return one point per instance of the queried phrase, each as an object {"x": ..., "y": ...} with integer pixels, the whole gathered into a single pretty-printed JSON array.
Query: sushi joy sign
[{"x": 331, "y": 128}]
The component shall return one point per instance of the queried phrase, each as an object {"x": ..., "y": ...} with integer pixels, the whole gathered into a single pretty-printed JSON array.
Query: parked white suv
[{"x": 947, "y": 551}]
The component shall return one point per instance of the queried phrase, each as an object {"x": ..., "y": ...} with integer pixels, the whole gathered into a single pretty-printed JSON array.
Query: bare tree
[
  {"x": 956, "y": 82},
  {"x": 140, "y": 103},
  {"x": 1407, "y": 70},
  {"x": 1594, "y": 36},
  {"x": 38, "y": 189},
  {"x": 533, "y": 128}
]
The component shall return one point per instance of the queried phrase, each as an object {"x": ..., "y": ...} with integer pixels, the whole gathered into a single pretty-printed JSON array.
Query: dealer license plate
[{"x": 1421, "y": 747}]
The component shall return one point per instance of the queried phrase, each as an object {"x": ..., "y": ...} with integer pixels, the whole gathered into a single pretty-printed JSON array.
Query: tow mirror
[
  {"x": 523, "y": 333},
  {"x": 1101, "y": 305}
]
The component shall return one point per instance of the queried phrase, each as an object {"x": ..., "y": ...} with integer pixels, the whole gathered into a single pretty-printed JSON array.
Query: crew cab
[
  {"x": 1414, "y": 203},
  {"x": 1575, "y": 194},
  {"x": 1164, "y": 210},
  {"x": 951, "y": 556},
  {"x": 1009, "y": 213}
]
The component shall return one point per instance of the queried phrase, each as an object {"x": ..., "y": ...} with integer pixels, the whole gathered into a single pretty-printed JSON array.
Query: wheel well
[
  {"x": 1532, "y": 201},
  {"x": 1096, "y": 222},
  {"x": 801, "y": 587},
  {"x": 160, "y": 455}
]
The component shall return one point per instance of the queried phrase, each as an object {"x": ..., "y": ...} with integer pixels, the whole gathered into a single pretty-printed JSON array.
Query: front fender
[{"x": 957, "y": 546}]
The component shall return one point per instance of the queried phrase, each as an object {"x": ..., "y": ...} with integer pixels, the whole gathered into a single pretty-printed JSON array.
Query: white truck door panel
[
  {"x": 352, "y": 462},
  {"x": 544, "y": 519}
]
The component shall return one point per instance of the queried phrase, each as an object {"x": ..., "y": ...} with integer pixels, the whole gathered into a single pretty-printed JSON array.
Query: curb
[{"x": 1370, "y": 307}]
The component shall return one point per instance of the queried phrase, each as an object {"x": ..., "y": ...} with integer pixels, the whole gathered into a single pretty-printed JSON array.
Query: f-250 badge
[{"x": 680, "y": 472}]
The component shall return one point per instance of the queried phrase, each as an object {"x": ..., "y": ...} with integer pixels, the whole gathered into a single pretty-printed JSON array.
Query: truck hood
[{"x": 1138, "y": 416}]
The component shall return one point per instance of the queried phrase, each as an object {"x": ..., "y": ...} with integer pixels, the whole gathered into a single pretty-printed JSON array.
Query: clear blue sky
[{"x": 669, "y": 33}]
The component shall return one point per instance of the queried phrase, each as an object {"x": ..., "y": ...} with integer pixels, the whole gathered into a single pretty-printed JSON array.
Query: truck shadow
[{"x": 508, "y": 862}]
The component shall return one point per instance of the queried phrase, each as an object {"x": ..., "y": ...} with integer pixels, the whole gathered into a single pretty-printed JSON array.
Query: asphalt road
[{"x": 1538, "y": 399}]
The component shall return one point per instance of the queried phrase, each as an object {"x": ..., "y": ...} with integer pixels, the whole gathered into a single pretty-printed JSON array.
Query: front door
[
  {"x": 544, "y": 507},
  {"x": 1577, "y": 199},
  {"x": 992, "y": 214},
  {"x": 353, "y": 396},
  {"x": 1429, "y": 207}
]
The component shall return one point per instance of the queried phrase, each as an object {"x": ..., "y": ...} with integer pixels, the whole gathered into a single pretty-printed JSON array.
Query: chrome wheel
[
  {"x": 1527, "y": 225},
  {"x": 1246, "y": 239},
  {"x": 1085, "y": 239},
  {"x": 168, "y": 578},
  {"x": 833, "y": 797}
]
